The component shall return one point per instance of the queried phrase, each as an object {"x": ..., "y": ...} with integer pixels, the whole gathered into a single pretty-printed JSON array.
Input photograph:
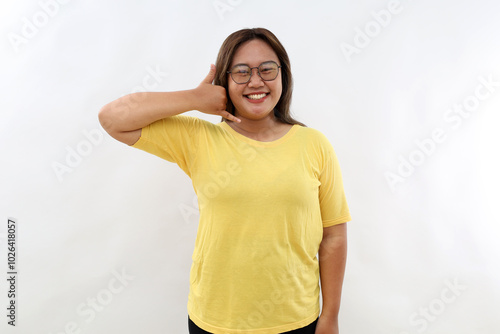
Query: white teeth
[{"x": 256, "y": 96}]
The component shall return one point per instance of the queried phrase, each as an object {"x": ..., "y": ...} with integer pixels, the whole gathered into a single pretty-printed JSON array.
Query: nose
[{"x": 255, "y": 79}]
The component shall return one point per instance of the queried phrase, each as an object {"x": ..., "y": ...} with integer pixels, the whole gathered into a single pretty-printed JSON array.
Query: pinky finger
[{"x": 230, "y": 117}]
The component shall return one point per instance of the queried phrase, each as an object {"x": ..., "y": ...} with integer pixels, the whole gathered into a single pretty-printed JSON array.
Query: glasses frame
[{"x": 258, "y": 72}]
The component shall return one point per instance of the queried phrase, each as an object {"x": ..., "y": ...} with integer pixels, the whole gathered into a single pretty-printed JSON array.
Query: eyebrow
[{"x": 259, "y": 64}]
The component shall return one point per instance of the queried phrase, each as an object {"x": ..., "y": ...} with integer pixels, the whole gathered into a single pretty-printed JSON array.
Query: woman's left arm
[{"x": 332, "y": 262}]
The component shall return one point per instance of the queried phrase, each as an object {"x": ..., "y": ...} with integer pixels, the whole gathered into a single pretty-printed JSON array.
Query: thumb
[{"x": 211, "y": 75}]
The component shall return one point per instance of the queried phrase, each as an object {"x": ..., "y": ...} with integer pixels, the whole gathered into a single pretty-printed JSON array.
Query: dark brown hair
[{"x": 225, "y": 58}]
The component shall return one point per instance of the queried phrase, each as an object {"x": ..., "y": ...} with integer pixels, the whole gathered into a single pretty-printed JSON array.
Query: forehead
[{"x": 253, "y": 53}]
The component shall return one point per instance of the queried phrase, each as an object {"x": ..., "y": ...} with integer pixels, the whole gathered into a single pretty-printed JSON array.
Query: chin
[
  {"x": 259, "y": 111},
  {"x": 255, "y": 113}
]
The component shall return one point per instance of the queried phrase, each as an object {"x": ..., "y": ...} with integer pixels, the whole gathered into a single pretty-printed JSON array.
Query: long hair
[{"x": 225, "y": 58}]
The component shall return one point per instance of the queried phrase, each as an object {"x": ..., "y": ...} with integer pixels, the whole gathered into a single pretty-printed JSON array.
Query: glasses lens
[
  {"x": 241, "y": 73},
  {"x": 268, "y": 71}
]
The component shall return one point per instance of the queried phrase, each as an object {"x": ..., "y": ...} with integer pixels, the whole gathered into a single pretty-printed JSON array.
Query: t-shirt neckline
[{"x": 254, "y": 142}]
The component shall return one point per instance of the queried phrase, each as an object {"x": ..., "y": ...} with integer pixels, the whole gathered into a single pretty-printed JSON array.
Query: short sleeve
[
  {"x": 332, "y": 199},
  {"x": 174, "y": 139}
]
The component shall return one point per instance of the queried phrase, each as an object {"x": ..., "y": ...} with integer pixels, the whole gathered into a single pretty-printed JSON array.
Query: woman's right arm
[{"x": 125, "y": 117}]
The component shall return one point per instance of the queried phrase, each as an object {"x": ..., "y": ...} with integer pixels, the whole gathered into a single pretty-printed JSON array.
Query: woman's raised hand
[{"x": 211, "y": 99}]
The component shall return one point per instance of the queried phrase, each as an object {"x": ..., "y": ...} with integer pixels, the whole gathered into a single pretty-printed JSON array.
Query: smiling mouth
[{"x": 256, "y": 96}]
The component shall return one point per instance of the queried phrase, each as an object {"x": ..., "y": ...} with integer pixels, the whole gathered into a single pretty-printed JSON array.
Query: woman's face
[{"x": 257, "y": 98}]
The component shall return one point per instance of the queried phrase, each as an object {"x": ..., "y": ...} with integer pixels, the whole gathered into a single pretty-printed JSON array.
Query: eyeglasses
[{"x": 268, "y": 71}]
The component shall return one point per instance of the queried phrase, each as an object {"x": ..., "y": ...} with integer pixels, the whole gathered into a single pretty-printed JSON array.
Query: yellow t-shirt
[{"x": 263, "y": 206}]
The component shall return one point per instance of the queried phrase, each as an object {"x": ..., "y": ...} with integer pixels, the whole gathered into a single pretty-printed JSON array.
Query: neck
[{"x": 256, "y": 126}]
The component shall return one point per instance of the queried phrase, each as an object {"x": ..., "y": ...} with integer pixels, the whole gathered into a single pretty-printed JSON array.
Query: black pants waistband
[{"x": 309, "y": 329}]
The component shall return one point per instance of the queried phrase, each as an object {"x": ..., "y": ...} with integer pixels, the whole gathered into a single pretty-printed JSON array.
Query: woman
[{"x": 269, "y": 190}]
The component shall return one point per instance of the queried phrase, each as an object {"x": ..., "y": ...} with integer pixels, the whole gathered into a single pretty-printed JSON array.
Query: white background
[{"x": 116, "y": 209}]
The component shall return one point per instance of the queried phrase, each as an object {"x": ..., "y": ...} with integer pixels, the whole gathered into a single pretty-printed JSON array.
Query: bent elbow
[{"x": 105, "y": 118}]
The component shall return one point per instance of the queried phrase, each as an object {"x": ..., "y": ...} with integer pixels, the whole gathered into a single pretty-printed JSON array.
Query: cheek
[
  {"x": 278, "y": 82},
  {"x": 278, "y": 88},
  {"x": 234, "y": 91}
]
